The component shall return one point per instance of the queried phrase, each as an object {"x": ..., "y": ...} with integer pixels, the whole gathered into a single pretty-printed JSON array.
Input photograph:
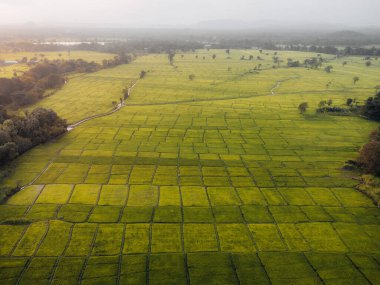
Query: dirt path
[
  {"x": 278, "y": 83},
  {"x": 117, "y": 108}
]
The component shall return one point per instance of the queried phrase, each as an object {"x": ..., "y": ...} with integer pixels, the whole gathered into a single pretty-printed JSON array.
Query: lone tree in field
[
  {"x": 142, "y": 74},
  {"x": 344, "y": 63},
  {"x": 213, "y": 56},
  {"x": 227, "y": 51},
  {"x": 171, "y": 56},
  {"x": 250, "y": 57},
  {"x": 328, "y": 68},
  {"x": 349, "y": 101},
  {"x": 303, "y": 107},
  {"x": 191, "y": 77},
  {"x": 355, "y": 79}
]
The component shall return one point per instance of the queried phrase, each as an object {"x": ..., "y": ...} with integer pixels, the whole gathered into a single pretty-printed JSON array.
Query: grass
[{"x": 209, "y": 181}]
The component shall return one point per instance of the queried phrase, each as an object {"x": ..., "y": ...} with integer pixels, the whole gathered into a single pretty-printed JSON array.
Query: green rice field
[{"x": 215, "y": 180}]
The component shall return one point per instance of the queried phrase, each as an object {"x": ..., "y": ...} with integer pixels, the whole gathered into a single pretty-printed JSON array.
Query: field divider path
[
  {"x": 117, "y": 108},
  {"x": 278, "y": 83}
]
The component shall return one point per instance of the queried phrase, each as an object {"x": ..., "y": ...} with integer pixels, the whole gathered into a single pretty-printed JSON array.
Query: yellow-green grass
[{"x": 209, "y": 181}]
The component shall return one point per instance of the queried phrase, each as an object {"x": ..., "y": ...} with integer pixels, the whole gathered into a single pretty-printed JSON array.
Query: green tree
[
  {"x": 328, "y": 68},
  {"x": 349, "y": 101},
  {"x": 142, "y": 74},
  {"x": 355, "y": 79},
  {"x": 303, "y": 107}
]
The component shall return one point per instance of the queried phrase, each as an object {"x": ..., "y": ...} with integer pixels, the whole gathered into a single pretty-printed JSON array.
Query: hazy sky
[{"x": 143, "y": 13}]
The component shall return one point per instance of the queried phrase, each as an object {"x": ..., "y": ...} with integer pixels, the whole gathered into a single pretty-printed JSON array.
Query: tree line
[
  {"x": 19, "y": 134},
  {"x": 30, "y": 87}
]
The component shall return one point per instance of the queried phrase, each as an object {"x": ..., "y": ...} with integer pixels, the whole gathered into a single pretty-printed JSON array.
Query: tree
[
  {"x": 250, "y": 57},
  {"x": 322, "y": 104},
  {"x": 349, "y": 101},
  {"x": 227, "y": 51},
  {"x": 213, "y": 56},
  {"x": 329, "y": 102},
  {"x": 191, "y": 77},
  {"x": 344, "y": 63},
  {"x": 303, "y": 107},
  {"x": 242, "y": 57},
  {"x": 368, "y": 63},
  {"x": 171, "y": 56},
  {"x": 142, "y": 74},
  {"x": 355, "y": 79},
  {"x": 328, "y": 68},
  {"x": 371, "y": 108}
]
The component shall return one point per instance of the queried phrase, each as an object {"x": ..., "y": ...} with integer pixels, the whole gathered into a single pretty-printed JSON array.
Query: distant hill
[
  {"x": 268, "y": 25},
  {"x": 347, "y": 34}
]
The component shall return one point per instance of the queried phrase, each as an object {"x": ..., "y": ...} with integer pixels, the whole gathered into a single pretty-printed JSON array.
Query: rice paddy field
[{"x": 215, "y": 180}]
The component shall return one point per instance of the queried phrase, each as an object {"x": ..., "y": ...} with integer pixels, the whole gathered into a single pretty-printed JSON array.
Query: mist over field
[{"x": 240, "y": 14}]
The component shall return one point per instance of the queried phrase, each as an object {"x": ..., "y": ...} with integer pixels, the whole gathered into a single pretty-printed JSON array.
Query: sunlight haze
[{"x": 184, "y": 13}]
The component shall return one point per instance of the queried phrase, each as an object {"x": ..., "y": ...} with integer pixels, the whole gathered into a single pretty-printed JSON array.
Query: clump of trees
[
  {"x": 191, "y": 77},
  {"x": 19, "y": 134},
  {"x": 369, "y": 155}
]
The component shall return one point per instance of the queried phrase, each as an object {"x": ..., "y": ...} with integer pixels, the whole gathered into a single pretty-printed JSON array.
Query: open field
[{"x": 216, "y": 180}]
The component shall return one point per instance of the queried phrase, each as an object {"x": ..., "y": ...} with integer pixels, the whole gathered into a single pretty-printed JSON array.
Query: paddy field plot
[{"x": 208, "y": 181}]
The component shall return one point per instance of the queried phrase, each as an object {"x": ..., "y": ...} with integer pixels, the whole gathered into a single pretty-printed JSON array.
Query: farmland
[{"x": 214, "y": 180}]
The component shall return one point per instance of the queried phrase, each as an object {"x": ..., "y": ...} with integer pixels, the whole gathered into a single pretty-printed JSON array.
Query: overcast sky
[{"x": 153, "y": 13}]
